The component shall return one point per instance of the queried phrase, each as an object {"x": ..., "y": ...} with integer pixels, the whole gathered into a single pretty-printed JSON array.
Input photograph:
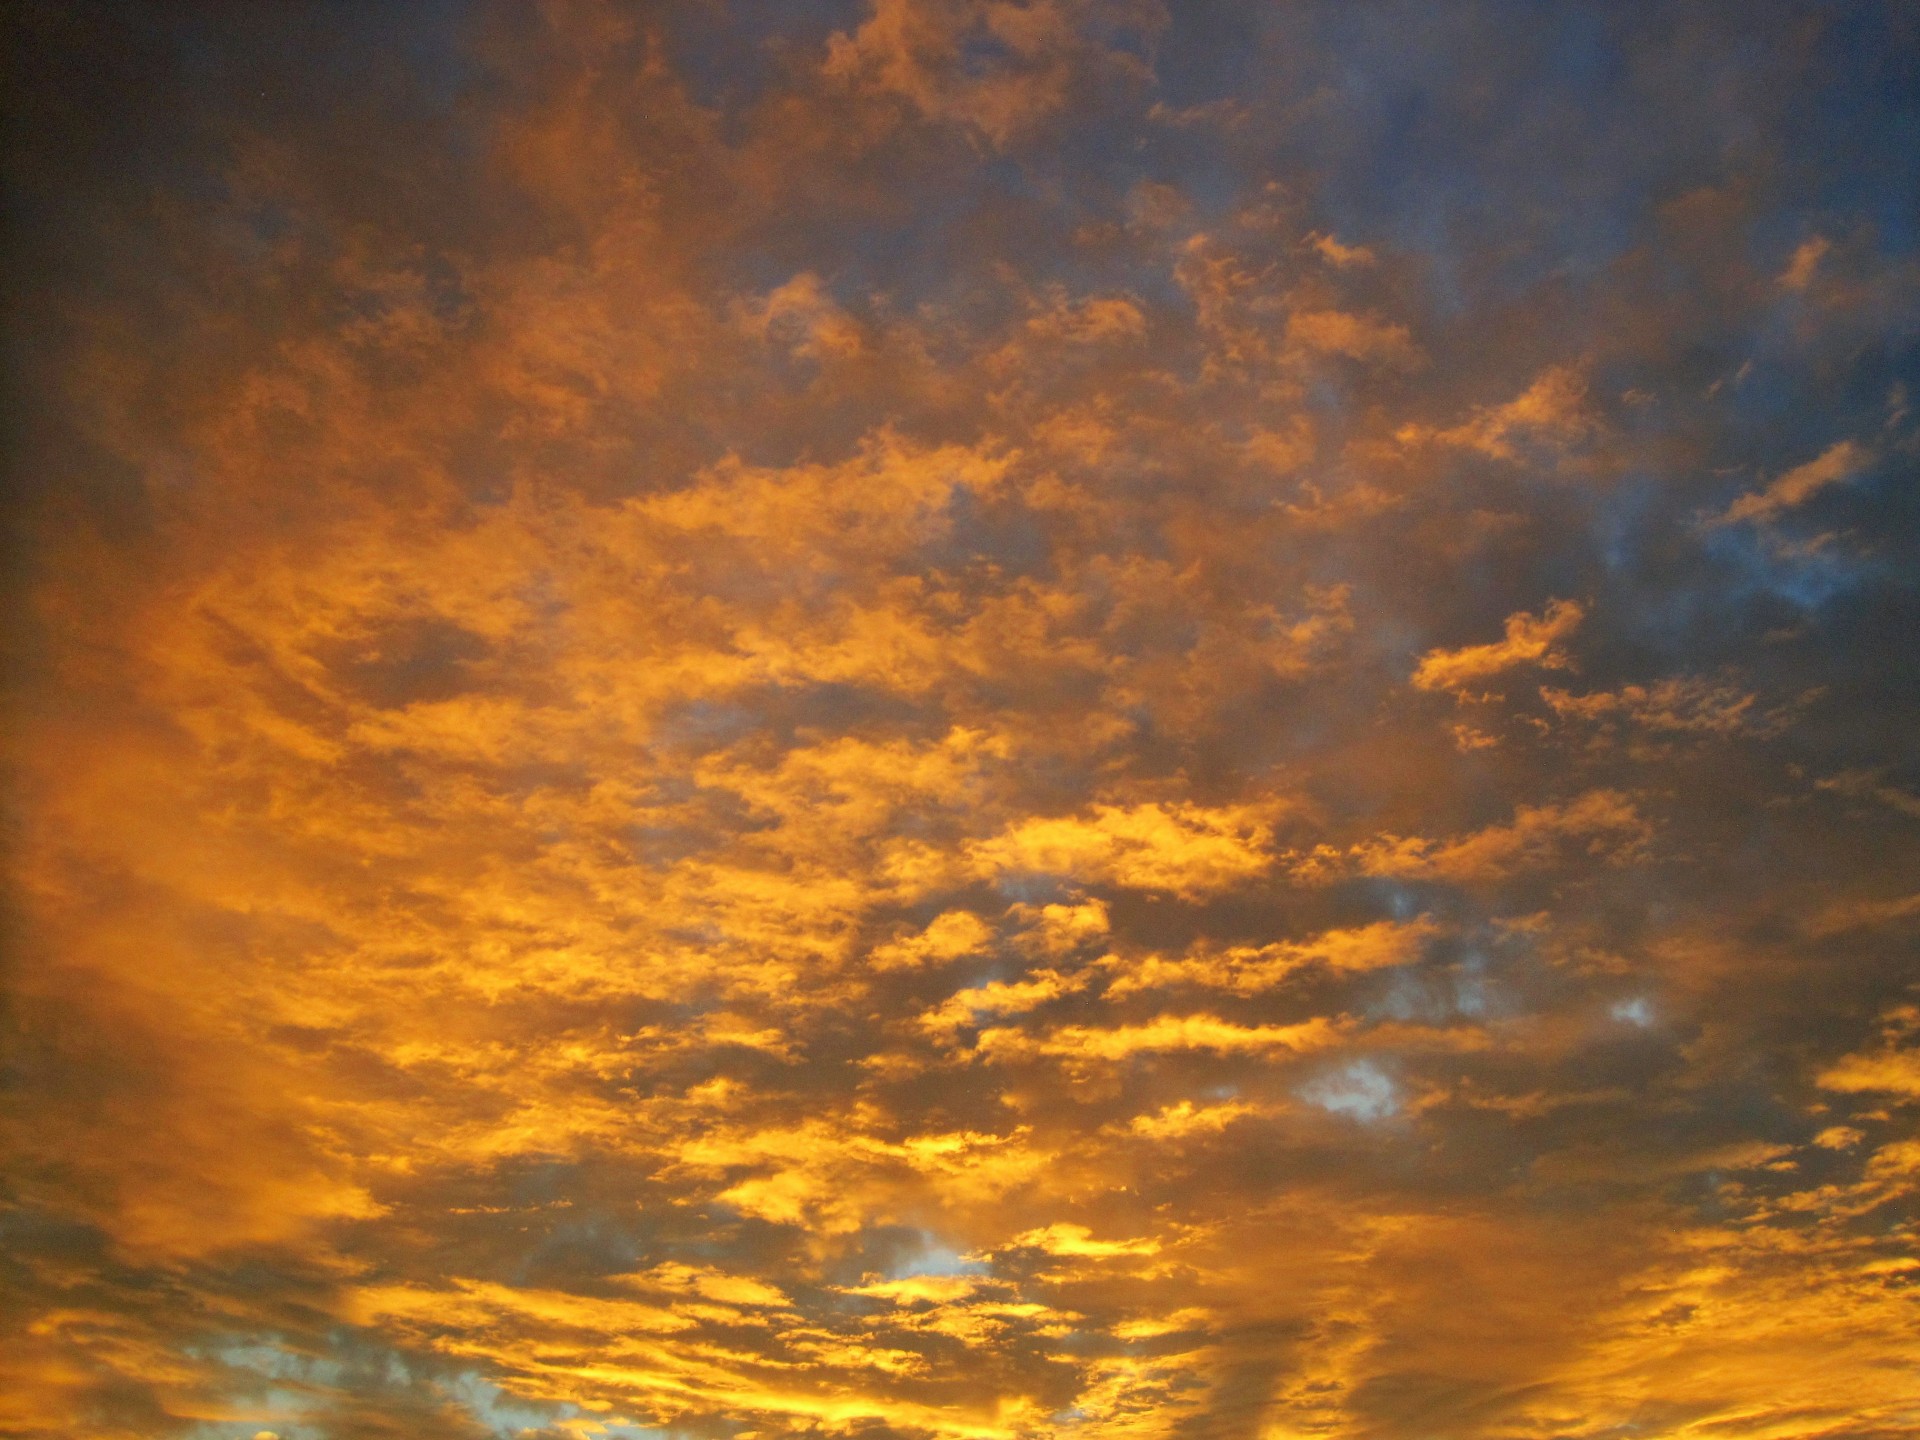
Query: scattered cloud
[
  {"x": 1845, "y": 915},
  {"x": 1185, "y": 849},
  {"x": 1838, "y": 463},
  {"x": 1871, "y": 784},
  {"x": 1529, "y": 640},
  {"x": 709, "y": 726},
  {"x": 1249, "y": 969},
  {"x": 1602, "y": 824},
  {"x": 1890, "y": 1071},
  {"x": 1805, "y": 262},
  {"x": 1340, "y": 256},
  {"x": 1678, "y": 705},
  {"x": 1357, "y": 337},
  {"x": 1550, "y": 411}
]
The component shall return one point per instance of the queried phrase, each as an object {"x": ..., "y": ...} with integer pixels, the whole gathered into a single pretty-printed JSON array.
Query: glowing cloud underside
[{"x": 956, "y": 719}]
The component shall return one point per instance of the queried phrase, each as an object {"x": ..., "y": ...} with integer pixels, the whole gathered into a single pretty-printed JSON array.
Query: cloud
[
  {"x": 948, "y": 936},
  {"x": 1187, "y": 850},
  {"x": 1805, "y": 262},
  {"x": 1357, "y": 337},
  {"x": 1249, "y": 969},
  {"x": 1095, "y": 320},
  {"x": 1600, "y": 824},
  {"x": 1183, "y": 1120},
  {"x": 1341, "y": 256},
  {"x": 1361, "y": 1091},
  {"x": 709, "y": 724},
  {"x": 1529, "y": 640},
  {"x": 1551, "y": 411},
  {"x": 1080, "y": 1044},
  {"x": 1895, "y": 1072},
  {"x": 1837, "y": 464},
  {"x": 1844, "y": 915},
  {"x": 1686, "y": 704},
  {"x": 997, "y": 69},
  {"x": 996, "y": 998},
  {"x": 1063, "y": 1238},
  {"x": 803, "y": 316},
  {"x": 1868, "y": 784},
  {"x": 1061, "y": 929}
]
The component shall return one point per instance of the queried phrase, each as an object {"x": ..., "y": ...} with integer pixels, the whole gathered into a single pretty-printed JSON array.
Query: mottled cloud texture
[{"x": 962, "y": 718}]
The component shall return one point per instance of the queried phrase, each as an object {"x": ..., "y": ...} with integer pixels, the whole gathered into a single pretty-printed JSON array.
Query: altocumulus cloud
[{"x": 944, "y": 719}]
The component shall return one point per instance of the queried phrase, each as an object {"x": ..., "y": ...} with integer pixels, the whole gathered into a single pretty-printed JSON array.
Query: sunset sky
[{"x": 961, "y": 720}]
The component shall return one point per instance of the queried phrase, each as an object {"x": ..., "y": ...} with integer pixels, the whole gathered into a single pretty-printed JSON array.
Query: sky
[{"x": 961, "y": 720}]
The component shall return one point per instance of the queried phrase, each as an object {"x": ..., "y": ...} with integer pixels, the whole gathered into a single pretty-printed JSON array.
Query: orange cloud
[
  {"x": 710, "y": 732},
  {"x": 1529, "y": 640},
  {"x": 1600, "y": 823},
  {"x": 1357, "y": 337},
  {"x": 1188, "y": 850},
  {"x": 1838, "y": 463},
  {"x": 1249, "y": 970},
  {"x": 1552, "y": 410},
  {"x": 1806, "y": 260}
]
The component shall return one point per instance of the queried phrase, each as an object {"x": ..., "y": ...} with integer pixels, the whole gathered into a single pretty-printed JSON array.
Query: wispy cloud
[{"x": 1837, "y": 464}]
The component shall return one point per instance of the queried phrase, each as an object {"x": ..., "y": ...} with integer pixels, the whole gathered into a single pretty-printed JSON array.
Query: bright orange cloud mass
[{"x": 956, "y": 720}]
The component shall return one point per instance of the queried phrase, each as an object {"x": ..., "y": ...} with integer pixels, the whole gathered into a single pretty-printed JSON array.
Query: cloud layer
[{"x": 962, "y": 719}]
